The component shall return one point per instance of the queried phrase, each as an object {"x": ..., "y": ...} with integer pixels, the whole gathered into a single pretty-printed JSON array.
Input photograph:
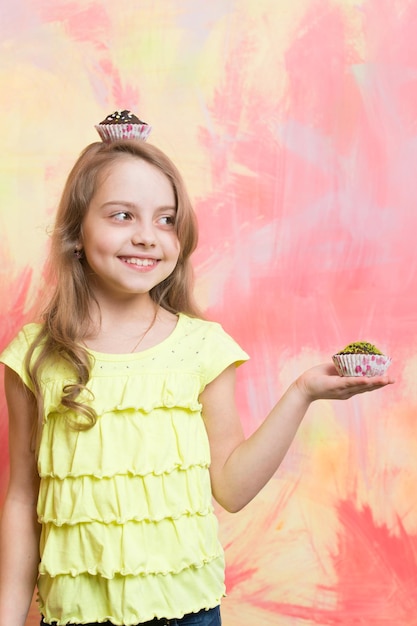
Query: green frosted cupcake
[{"x": 361, "y": 358}]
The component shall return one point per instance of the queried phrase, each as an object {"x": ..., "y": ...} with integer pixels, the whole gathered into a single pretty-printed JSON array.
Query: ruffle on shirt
[
  {"x": 123, "y": 498},
  {"x": 128, "y": 600},
  {"x": 134, "y": 434},
  {"x": 124, "y": 442},
  {"x": 116, "y": 386},
  {"x": 131, "y": 549}
]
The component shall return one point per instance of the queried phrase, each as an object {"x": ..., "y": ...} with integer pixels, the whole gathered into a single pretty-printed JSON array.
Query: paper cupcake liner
[
  {"x": 361, "y": 364},
  {"x": 115, "y": 132}
]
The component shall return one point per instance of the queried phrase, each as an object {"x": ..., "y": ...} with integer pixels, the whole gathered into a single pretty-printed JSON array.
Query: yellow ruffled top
[{"x": 128, "y": 528}]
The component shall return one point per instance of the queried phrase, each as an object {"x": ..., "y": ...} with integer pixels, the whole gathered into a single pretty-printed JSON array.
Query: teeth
[{"x": 140, "y": 262}]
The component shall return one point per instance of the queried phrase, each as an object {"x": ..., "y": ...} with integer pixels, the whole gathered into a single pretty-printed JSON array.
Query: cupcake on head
[
  {"x": 123, "y": 125},
  {"x": 361, "y": 359}
]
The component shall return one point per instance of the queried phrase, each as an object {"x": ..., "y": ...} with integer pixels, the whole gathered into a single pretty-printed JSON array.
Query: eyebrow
[{"x": 132, "y": 205}]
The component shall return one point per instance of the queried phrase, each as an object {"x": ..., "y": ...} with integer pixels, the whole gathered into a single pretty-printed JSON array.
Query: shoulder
[
  {"x": 200, "y": 326},
  {"x": 196, "y": 330},
  {"x": 24, "y": 339},
  {"x": 210, "y": 345},
  {"x": 194, "y": 326},
  {"x": 29, "y": 332}
]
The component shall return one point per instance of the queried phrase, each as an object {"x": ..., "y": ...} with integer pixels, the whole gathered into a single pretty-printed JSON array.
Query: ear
[
  {"x": 78, "y": 251},
  {"x": 79, "y": 240}
]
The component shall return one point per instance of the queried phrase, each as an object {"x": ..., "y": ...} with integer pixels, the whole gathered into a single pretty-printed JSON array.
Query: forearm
[
  {"x": 252, "y": 463},
  {"x": 19, "y": 558},
  {"x": 241, "y": 468}
]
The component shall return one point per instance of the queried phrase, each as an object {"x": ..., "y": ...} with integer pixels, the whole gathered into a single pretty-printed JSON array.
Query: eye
[
  {"x": 121, "y": 216},
  {"x": 167, "y": 220}
]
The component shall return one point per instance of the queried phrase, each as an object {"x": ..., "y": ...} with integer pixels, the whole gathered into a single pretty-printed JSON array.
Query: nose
[{"x": 144, "y": 234}]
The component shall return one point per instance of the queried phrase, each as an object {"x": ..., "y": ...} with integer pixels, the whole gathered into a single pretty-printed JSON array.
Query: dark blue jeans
[{"x": 202, "y": 618}]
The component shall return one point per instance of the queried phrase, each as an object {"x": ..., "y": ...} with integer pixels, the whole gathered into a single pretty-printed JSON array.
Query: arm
[
  {"x": 241, "y": 467},
  {"x": 19, "y": 530}
]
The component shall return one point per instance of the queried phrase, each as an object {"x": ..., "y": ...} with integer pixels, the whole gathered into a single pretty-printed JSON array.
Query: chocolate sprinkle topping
[{"x": 122, "y": 117}]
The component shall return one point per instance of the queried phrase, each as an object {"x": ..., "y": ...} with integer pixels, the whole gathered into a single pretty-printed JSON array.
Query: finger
[
  {"x": 359, "y": 389},
  {"x": 368, "y": 380}
]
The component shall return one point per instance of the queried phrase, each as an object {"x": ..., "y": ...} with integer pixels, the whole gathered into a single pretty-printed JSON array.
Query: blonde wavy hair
[{"x": 67, "y": 315}]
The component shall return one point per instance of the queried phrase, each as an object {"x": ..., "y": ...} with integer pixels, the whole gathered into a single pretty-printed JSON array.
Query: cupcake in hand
[{"x": 361, "y": 359}]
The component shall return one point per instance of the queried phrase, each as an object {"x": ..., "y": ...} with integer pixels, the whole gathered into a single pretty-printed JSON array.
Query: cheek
[
  {"x": 175, "y": 243},
  {"x": 96, "y": 254},
  {"x": 98, "y": 241}
]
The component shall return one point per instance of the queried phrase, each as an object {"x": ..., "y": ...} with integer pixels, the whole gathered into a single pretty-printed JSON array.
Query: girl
[{"x": 122, "y": 415}]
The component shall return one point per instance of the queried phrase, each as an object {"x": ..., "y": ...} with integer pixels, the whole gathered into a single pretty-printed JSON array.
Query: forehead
[{"x": 129, "y": 175}]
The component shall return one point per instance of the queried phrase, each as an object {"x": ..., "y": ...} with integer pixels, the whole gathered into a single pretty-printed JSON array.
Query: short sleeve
[
  {"x": 220, "y": 351},
  {"x": 15, "y": 353}
]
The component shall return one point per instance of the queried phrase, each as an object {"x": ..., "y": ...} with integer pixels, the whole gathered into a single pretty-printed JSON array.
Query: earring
[{"x": 78, "y": 253}]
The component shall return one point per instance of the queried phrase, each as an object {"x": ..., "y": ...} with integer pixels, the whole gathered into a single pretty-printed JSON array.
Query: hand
[{"x": 323, "y": 382}]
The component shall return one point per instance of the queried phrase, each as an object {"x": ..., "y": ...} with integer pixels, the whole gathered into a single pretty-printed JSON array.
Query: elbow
[
  {"x": 234, "y": 508},
  {"x": 232, "y": 504}
]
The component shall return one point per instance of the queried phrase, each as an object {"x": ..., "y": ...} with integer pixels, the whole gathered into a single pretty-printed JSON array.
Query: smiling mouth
[{"x": 140, "y": 262}]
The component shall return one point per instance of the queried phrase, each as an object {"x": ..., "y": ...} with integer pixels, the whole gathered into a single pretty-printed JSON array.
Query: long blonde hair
[{"x": 67, "y": 315}]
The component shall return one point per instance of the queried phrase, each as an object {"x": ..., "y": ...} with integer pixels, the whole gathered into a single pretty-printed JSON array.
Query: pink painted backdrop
[{"x": 295, "y": 126}]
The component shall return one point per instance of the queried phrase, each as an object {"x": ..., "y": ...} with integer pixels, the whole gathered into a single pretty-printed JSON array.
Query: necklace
[{"x": 143, "y": 335}]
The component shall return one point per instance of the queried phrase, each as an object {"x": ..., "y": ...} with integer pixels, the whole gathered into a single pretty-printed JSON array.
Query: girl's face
[{"x": 128, "y": 233}]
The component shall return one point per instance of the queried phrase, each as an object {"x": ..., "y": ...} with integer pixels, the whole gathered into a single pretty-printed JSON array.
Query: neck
[
  {"x": 130, "y": 313},
  {"x": 133, "y": 332}
]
